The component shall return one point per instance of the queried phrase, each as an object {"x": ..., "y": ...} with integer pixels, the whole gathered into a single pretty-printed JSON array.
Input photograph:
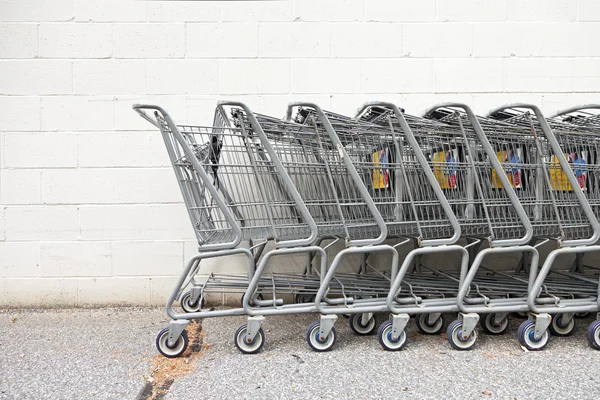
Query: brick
[
  {"x": 55, "y": 223},
  {"x": 75, "y": 259},
  {"x": 170, "y": 222},
  {"x": 161, "y": 288},
  {"x": 143, "y": 185},
  {"x": 41, "y": 292},
  {"x": 126, "y": 119},
  {"x": 588, "y": 10},
  {"x": 36, "y": 77},
  {"x": 41, "y": 150},
  {"x": 276, "y": 105},
  {"x": 403, "y": 75},
  {"x": 156, "y": 258},
  {"x": 254, "y": 76},
  {"x": 326, "y": 76},
  {"x": 113, "y": 291},
  {"x": 20, "y": 113},
  {"x": 471, "y": 11},
  {"x": 109, "y": 149},
  {"x": 362, "y": 40},
  {"x": 539, "y": 75},
  {"x": 468, "y": 75},
  {"x": 437, "y": 40},
  {"x": 348, "y": 104},
  {"x": 75, "y": 40},
  {"x": 256, "y": 11},
  {"x": 545, "y": 40},
  {"x": 541, "y": 10},
  {"x": 332, "y": 10},
  {"x": 391, "y": 10},
  {"x": 19, "y": 259},
  {"x": 296, "y": 40},
  {"x": 77, "y": 113},
  {"x": 36, "y": 10},
  {"x": 20, "y": 187},
  {"x": 2, "y": 208},
  {"x": 115, "y": 222},
  {"x": 585, "y": 75},
  {"x": 222, "y": 40},
  {"x": 110, "y": 77},
  {"x": 149, "y": 40},
  {"x": 165, "y": 77},
  {"x": 18, "y": 40},
  {"x": 110, "y": 11},
  {"x": 196, "y": 11},
  {"x": 79, "y": 186}
]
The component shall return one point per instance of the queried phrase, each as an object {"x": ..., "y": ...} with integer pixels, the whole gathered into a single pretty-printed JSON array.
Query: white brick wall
[{"x": 90, "y": 212}]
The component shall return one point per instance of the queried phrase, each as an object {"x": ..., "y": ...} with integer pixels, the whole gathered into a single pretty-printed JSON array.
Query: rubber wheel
[
  {"x": 581, "y": 314},
  {"x": 593, "y": 334},
  {"x": 429, "y": 329},
  {"x": 188, "y": 306},
  {"x": 384, "y": 335},
  {"x": 171, "y": 351},
  {"x": 357, "y": 326},
  {"x": 559, "y": 329},
  {"x": 454, "y": 334},
  {"x": 492, "y": 327},
  {"x": 315, "y": 342},
  {"x": 245, "y": 346},
  {"x": 526, "y": 333},
  {"x": 303, "y": 298}
]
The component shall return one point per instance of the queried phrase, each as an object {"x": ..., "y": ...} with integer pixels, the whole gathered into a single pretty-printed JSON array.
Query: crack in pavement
[{"x": 165, "y": 370}]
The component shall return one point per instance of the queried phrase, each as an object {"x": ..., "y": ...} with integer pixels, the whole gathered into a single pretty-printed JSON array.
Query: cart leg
[
  {"x": 469, "y": 322},
  {"x": 399, "y": 322},
  {"x": 176, "y": 327},
  {"x": 254, "y": 324}
]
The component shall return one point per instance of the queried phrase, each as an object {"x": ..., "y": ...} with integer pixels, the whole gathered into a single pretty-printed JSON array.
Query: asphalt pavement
[{"x": 110, "y": 354}]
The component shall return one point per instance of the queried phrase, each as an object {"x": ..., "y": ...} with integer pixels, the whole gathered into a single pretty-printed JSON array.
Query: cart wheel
[
  {"x": 316, "y": 342},
  {"x": 581, "y": 314},
  {"x": 526, "y": 333},
  {"x": 384, "y": 335},
  {"x": 429, "y": 329},
  {"x": 559, "y": 329},
  {"x": 493, "y": 327},
  {"x": 357, "y": 326},
  {"x": 188, "y": 306},
  {"x": 593, "y": 334},
  {"x": 171, "y": 351},
  {"x": 249, "y": 347},
  {"x": 454, "y": 334},
  {"x": 303, "y": 298}
]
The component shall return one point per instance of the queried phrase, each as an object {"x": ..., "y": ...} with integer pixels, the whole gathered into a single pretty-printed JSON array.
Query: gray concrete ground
[{"x": 107, "y": 353}]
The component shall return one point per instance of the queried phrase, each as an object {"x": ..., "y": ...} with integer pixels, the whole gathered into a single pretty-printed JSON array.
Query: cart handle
[
  {"x": 237, "y": 231},
  {"x": 353, "y": 174}
]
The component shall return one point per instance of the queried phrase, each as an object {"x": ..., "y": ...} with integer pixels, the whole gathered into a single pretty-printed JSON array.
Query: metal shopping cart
[
  {"x": 242, "y": 176},
  {"x": 554, "y": 195},
  {"x": 577, "y": 130},
  {"x": 408, "y": 196}
]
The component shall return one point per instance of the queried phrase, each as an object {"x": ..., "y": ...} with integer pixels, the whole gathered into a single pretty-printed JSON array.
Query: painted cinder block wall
[{"x": 90, "y": 213}]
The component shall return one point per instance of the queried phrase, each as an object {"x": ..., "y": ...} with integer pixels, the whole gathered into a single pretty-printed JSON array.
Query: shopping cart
[
  {"x": 235, "y": 189},
  {"x": 412, "y": 204},
  {"x": 331, "y": 188},
  {"x": 577, "y": 130},
  {"x": 554, "y": 195}
]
